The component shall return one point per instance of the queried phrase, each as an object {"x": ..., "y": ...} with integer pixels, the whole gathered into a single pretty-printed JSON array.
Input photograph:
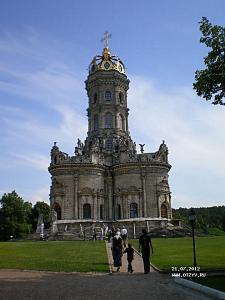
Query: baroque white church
[{"x": 107, "y": 180}]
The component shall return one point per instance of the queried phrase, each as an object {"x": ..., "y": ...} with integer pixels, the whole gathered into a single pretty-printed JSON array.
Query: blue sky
[{"x": 45, "y": 49}]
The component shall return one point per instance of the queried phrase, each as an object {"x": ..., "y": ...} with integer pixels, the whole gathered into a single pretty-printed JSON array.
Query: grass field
[
  {"x": 89, "y": 256},
  {"x": 176, "y": 252},
  {"x": 67, "y": 256}
]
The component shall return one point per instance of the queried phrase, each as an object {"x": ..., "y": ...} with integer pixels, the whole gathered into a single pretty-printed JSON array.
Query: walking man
[{"x": 144, "y": 245}]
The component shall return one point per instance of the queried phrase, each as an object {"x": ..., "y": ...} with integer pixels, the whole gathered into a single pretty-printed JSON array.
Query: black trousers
[
  {"x": 130, "y": 269},
  {"x": 146, "y": 260}
]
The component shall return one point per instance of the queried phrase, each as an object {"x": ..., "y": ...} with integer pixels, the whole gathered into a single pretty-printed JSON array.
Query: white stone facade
[{"x": 106, "y": 179}]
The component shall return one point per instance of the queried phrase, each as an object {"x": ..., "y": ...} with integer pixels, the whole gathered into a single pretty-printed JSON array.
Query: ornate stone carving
[{"x": 107, "y": 163}]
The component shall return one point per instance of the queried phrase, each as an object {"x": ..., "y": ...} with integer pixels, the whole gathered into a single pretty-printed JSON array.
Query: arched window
[
  {"x": 121, "y": 98},
  {"x": 95, "y": 98},
  {"x": 108, "y": 96},
  {"x": 96, "y": 122},
  {"x": 119, "y": 211},
  {"x": 108, "y": 120},
  {"x": 121, "y": 122},
  {"x": 101, "y": 212},
  {"x": 87, "y": 211},
  {"x": 133, "y": 210},
  {"x": 58, "y": 210},
  {"x": 108, "y": 144},
  {"x": 164, "y": 211}
]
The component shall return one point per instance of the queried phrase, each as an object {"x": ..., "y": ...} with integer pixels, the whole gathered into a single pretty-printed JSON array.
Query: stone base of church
[{"x": 83, "y": 229}]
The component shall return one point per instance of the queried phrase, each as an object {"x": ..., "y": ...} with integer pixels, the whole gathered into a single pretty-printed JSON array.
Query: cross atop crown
[{"x": 105, "y": 39}]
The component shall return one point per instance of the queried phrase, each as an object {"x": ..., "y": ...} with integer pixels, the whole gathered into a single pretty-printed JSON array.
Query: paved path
[
  {"x": 24, "y": 285},
  {"x": 137, "y": 263}
]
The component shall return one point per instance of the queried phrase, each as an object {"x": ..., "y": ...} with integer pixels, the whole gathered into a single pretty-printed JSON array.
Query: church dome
[{"x": 106, "y": 62}]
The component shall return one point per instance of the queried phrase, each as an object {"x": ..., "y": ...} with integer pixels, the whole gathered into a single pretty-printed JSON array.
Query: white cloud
[
  {"x": 40, "y": 195},
  {"x": 74, "y": 125},
  {"x": 183, "y": 201},
  {"x": 33, "y": 160},
  {"x": 194, "y": 132}
]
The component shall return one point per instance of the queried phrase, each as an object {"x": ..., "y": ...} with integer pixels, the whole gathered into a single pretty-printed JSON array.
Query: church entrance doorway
[{"x": 87, "y": 211}]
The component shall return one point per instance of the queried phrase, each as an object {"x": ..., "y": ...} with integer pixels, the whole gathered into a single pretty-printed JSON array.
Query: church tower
[
  {"x": 107, "y": 180},
  {"x": 107, "y": 86}
]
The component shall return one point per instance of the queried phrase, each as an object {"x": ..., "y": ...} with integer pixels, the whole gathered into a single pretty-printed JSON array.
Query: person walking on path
[
  {"x": 130, "y": 256},
  {"x": 124, "y": 236},
  {"x": 144, "y": 245},
  {"x": 117, "y": 251}
]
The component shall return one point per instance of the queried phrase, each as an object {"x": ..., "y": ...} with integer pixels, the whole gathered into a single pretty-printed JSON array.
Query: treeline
[
  {"x": 206, "y": 217},
  {"x": 18, "y": 217}
]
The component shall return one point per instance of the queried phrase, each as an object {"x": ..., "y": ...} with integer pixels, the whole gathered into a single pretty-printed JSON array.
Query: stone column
[
  {"x": 159, "y": 206},
  {"x": 140, "y": 203},
  {"x": 127, "y": 210},
  {"x": 98, "y": 206},
  {"x": 143, "y": 181},
  {"x": 94, "y": 197},
  {"x": 116, "y": 121},
  {"x": 110, "y": 197},
  {"x": 76, "y": 204},
  {"x": 80, "y": 207},
  {"x": 105, "y": 203},
  {"x": 123, "y": 206}
]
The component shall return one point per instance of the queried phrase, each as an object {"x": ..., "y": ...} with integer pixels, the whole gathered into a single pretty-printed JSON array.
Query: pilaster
[
  {"x": 143, "y": 182},
  {"x": 76, "y": 202}
]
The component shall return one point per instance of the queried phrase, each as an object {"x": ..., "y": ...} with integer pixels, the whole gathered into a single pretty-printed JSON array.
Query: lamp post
[{"x": 192, "y": 218}]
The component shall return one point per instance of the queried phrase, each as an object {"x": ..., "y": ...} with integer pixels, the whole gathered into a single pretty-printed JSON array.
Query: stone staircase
[{"x": 83, "y": 230}]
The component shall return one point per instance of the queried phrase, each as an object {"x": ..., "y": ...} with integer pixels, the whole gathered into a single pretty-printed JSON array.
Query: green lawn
[
  {"x": 67, "y": 256},
  {"x": 176, "y": 252}
]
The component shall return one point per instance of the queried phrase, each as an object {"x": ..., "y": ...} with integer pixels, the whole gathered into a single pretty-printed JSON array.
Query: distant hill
[{"x": 206, "y": 217}]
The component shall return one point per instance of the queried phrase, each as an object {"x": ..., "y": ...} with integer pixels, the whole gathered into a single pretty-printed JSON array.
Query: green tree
[
  {"x": 15, "y": 216},
  {"x": 41, "y": 208},
  {"x": 223, "y": 221},
  {"x": 210, "y": 83},
  {"x": 206, "y": 217}
]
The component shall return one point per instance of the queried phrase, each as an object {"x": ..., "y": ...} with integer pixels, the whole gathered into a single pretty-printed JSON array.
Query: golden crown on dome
[{"x": 106, "y": 61}]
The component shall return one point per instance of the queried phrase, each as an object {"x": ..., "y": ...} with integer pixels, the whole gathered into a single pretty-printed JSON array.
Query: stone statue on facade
[
  {"x": 142, "y": 147},
  {"x": 54, "y": 227},
  {"x": 40, "y": 225},
  {"x": 79, "y": 149},
  {"x": 134, "y": 148}
]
